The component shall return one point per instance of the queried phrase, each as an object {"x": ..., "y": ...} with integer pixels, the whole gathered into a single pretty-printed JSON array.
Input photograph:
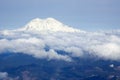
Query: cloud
[
  {"x": 100, "y": 44},
  {"x": 3, "y": 75},
  {"x": 31, "y": 46},
  {"x": 25, "y": 75},
  {"x": 107, "y": 50},
  {"x": 75, "y": 51}
]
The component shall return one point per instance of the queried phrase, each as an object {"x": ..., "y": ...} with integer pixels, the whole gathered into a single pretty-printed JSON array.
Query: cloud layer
[{"x": 47, "y": 44}]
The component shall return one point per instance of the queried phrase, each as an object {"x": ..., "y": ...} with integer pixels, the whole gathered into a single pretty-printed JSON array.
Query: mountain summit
[{"x": 49, "y": 24}]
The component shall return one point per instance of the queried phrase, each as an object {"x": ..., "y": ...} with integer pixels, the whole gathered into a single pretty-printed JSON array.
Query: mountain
[
  {"x": 49, "y": 24},
  {"x": 46, "y": 49}
]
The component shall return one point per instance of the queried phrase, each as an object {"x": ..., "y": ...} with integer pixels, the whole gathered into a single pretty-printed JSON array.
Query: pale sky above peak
[{"x": 88, "y": 15}]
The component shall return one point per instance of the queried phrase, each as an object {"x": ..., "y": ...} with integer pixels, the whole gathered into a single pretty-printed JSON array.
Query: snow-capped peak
[{"x": 49, "y": 24}]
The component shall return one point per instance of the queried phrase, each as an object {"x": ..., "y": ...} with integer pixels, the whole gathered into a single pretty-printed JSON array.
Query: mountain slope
[{"x": 48, "y": 24}]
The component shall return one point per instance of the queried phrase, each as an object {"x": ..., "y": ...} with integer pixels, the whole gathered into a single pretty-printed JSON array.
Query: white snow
[{"x": 49, "y": 24}]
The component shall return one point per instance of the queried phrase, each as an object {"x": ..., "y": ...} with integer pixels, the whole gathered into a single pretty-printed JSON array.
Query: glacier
[{"x": 49, "y": 24}]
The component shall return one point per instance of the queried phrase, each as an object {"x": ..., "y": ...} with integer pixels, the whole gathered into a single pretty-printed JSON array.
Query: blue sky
[{"x": 88, "y": 15}]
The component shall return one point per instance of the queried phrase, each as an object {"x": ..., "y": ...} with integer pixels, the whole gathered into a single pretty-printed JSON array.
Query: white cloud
[
  {"x": 30, "y": 46},
  {"x": 75, "y": 51},
  {"x": 25, "y": 75},
  {"x": 74, "y": 44},
  {"x": 3, "y": 75},
  {"x": 53, "y": 55},
  {"x": 107, "y": 50}
]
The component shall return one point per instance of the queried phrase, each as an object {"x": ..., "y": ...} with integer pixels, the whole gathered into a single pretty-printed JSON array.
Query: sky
[{"x": 90, "y": 15}]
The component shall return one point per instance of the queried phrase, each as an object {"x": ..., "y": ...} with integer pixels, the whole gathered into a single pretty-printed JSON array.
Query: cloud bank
[{"x": 47, "y": 44}]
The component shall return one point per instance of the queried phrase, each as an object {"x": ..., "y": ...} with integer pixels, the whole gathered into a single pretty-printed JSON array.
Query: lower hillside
[{"x": 25, "y": 67}]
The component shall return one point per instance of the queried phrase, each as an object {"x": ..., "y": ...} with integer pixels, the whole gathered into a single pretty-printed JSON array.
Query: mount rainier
[
  {"x": 49, "y": 24},
  {"x": 46, "y": 49},
  {"x": 50, "y": 34}
]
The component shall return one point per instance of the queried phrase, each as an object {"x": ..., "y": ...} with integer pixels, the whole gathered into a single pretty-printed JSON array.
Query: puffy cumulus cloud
[
  {"x": 107, "y": 50},
  {"x": 21, "y": 45},
  {"x": 75, "y": 51},
  {"x": 47, "y": 44},
  {"x": 31, "y": 46},
  {"x": 53, "y": 55}
]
